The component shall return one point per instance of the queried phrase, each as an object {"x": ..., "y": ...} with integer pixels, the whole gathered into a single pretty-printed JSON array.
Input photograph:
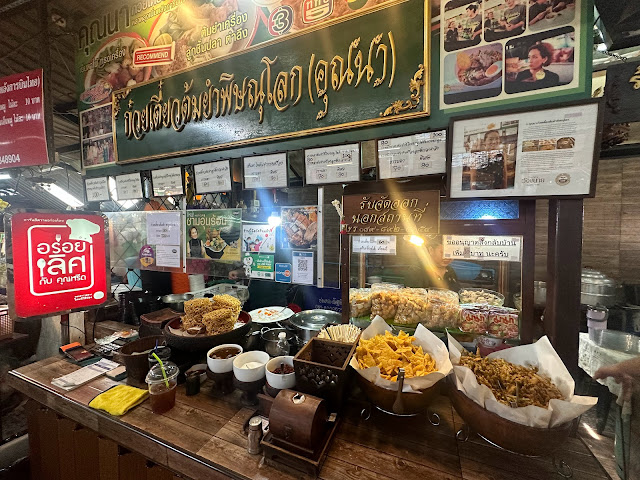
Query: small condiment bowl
[
  {"x": 254, "y": 374},
  {"x": 222, "y": 365},
  {"x": 198, "y": 367},
  {"x": 278, "y": 380}
]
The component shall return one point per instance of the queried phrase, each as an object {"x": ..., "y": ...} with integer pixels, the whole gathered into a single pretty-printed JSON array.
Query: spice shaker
[{"x": 255, "y": 435}]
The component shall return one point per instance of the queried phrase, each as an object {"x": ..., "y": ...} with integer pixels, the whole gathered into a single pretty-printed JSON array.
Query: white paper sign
[
  {"x": 413, "y": 155},
  {"x": 483, "y": 248},
  {"x": 167, "y": 182},
  {"x": 266, "y": 171},
  {"x": 163, "y": 228},
  {"x": 129, "y": 186},
  {"x": 213, "y": 177},
  {"x": 338, "y": 164},
  {"x": 302, "y": 268},
  {"x": 536, "y": 154},
  {"x": 259, "y": 238},
  {"x": 380, "y": 244},
  {"x": 97, "y": 189},
  {"x": 168, "y": 256}
]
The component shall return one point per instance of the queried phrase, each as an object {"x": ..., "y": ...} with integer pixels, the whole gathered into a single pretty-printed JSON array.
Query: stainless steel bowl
[
  {"x": 309, "y": 322},
  {"x": 176, "y": 300}
]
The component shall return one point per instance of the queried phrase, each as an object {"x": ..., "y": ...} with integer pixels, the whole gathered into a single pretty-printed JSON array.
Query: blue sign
[{"x": 283, "y": 272}]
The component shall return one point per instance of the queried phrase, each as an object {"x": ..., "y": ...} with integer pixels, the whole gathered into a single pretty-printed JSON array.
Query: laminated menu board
[
  {"x": 502, "y": 51},
  {"x": 541, "y": 153}
]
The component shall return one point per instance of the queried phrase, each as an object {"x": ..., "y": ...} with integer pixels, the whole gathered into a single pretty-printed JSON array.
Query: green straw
[{"x": 164, "y": 374}]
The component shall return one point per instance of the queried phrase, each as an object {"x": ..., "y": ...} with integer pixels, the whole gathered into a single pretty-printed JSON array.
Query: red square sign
[{"x": 59, "y": 262}]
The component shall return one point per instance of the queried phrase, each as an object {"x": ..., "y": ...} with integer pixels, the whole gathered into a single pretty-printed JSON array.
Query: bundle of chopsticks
[{"x": 340, "y": 333}]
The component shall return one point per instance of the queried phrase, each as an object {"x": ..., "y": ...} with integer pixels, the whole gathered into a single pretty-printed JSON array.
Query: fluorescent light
[
  {"x": 416, "y": 240},
  {"x": 274, "y": 221},
  {"x": 487, "y": 217},
  {"x": 62, "y": 195},
  {"x": 4, "y": 176}
]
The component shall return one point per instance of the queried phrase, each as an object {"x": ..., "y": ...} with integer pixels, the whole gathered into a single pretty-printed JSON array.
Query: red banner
[
  {"x": 23, "y": 140},
  {"x": 59, "y": 262}
]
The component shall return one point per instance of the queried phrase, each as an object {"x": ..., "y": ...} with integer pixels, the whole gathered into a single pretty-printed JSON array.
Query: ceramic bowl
[
  {"x": 254, "y": 374},
  {"x": 219, "y": 365},
  {"x": 280, "y": 381}
]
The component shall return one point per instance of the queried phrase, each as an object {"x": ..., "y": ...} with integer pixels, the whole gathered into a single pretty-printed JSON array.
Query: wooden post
[
  {"x": 564, "y": 268},
  {"x": 45, "y": 63}
]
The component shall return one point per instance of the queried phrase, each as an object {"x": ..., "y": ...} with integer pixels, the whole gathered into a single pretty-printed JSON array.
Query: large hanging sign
[
  {"x": 370, "y": 69},
  {"x": 59, "y": 262},
  {"x": 23, "y": 140},
  {"x": 501, "y": 51},
  {"x": 398, "y": 213}
]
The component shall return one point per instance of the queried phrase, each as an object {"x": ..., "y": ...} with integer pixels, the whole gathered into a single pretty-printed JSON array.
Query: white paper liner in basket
[
  {"x": 540, "y": 354},
  {"x": 425, "y": 339}
]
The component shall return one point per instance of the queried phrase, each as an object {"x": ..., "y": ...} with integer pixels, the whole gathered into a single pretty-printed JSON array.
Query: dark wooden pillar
[
  {"x": 45, "y": 63},
  {"x": 564, "y": 265}
]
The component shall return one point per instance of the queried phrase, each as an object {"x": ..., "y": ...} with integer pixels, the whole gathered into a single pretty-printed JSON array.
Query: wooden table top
[{"x": 202, "y": 437}]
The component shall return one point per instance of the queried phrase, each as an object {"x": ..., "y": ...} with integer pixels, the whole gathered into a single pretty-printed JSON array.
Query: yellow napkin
[{"x": 119, "y": 399}]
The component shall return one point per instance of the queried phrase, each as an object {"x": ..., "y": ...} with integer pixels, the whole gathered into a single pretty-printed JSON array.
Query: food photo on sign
[
  {"x": 214, "y": 234},
  {"x": 299, "y": 227}
]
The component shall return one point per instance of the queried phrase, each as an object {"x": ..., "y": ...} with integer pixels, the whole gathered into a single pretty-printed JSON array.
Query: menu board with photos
[
  {"x": 266, "y": 171},
  {"x": 412, "y": 155},
  {"x": 337, "y": 164},
  {"x": 213, "y": 177},
  {"x": 540, "y": 153},
  {"x": 500, "y": 50}
]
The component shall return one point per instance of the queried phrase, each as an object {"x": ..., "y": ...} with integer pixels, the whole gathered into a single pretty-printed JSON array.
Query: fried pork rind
[
  {"x": 219, "y": 321},
  {"x": 512, "y": 385},
  {"x": 390, "y": 353}
]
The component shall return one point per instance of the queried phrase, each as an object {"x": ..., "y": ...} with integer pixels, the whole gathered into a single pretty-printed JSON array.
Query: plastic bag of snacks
[
  {"x": 385, "y": 303},
  {"x": 474, "y": 319},
  {"x": 442, "y": 314},
  {"x": 360, "y": 301},
  {"x": 443, "y": 295},
  {"x": 412, "y": 308},
  {"x": 481, "y": 296},
  {"x": 503, "y": 322}
]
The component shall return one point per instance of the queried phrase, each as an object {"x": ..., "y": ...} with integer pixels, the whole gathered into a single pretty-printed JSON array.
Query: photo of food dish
[
  {"x": 565, "y": 142},
  {"x": 530, "y": 146},
  {"x": 473, "y": 74},
  {"x": 549, "y": 144},
  {"x": 104, "y": 78},
  {"x": 299, "y": 227}
]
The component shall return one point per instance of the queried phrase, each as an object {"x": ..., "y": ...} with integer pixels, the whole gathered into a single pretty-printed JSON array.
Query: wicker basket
[
  {"x": 6, "y": 324},
  {"x": 322, "y": 369}
]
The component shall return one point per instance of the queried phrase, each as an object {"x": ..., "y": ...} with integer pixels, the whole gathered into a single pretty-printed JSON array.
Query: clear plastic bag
[
  {"x": 360, "y": 301},
  {"x": 443, "y": 295},
  {"x": 413, "y": 308},
  {"x": 385, "y": 303}
]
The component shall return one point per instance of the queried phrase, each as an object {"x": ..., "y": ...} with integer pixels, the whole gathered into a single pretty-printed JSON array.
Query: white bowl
[
  {"x": 220, "y": 365},
  {"x": 280, "y": 381},
  {"x": 199, "y": 366},
  {"x": 248, "y": 375}
]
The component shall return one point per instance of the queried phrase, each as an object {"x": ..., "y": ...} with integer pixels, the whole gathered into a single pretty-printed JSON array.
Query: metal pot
[
  {"x": 539, "y": 294},
  {"x": 176, "y": 300},
  {"x": 269, "y": 338},
  {"x": 309, "y": 322},
  {"x": 597, "y": 289}
]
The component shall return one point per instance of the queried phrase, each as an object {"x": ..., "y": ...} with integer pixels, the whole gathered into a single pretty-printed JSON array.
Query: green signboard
[{"x": 368, "y": 68}]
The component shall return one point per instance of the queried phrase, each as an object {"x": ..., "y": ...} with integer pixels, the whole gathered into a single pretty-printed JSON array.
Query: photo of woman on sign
[{"x": 196, "y": 247}]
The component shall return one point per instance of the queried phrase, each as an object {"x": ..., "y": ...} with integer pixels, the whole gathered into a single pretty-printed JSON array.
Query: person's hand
[
  {"x": 620, "y": 376},
  {"x": 234, "y": 275}
]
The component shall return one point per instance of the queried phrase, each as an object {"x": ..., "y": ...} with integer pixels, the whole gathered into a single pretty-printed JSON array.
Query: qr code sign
[{"x": 302, "y": 264}]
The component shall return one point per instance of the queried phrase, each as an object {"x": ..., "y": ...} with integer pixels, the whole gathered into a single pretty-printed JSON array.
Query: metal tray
[{"x": 614, "y": 340}]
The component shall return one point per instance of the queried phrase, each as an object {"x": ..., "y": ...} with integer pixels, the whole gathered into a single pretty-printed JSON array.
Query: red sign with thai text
[
  {"x": 23, "y": 140},
  {"x": 59, "y": 262}
]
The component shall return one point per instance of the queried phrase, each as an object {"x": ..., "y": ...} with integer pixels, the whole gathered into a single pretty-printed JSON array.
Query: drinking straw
[{"x": 164, "y": 374}]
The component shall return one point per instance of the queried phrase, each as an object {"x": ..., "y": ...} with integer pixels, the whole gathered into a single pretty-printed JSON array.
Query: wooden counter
[{"x": 202, "y": 438}]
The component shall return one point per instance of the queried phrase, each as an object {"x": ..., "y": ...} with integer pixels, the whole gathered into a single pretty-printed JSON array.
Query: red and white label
[
  {"x": 150, "y": 56},
  {"x": 59, "y": 262},
  {"x": 316, "y": 10},
  {"x": 22, "y": 133}
]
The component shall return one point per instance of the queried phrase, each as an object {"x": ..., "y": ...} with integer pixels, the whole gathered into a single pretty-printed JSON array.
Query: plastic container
[
  {"x": 443, "y": 295},
  {"x": 162, "y": 398},
  {"x": 360, "y": 301},
  {"x": 412, "y": 309},
  {"x": 596, "y": 320},
  {"x": 282, "y": 347},
  {"x": 164, "y": 353}
]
